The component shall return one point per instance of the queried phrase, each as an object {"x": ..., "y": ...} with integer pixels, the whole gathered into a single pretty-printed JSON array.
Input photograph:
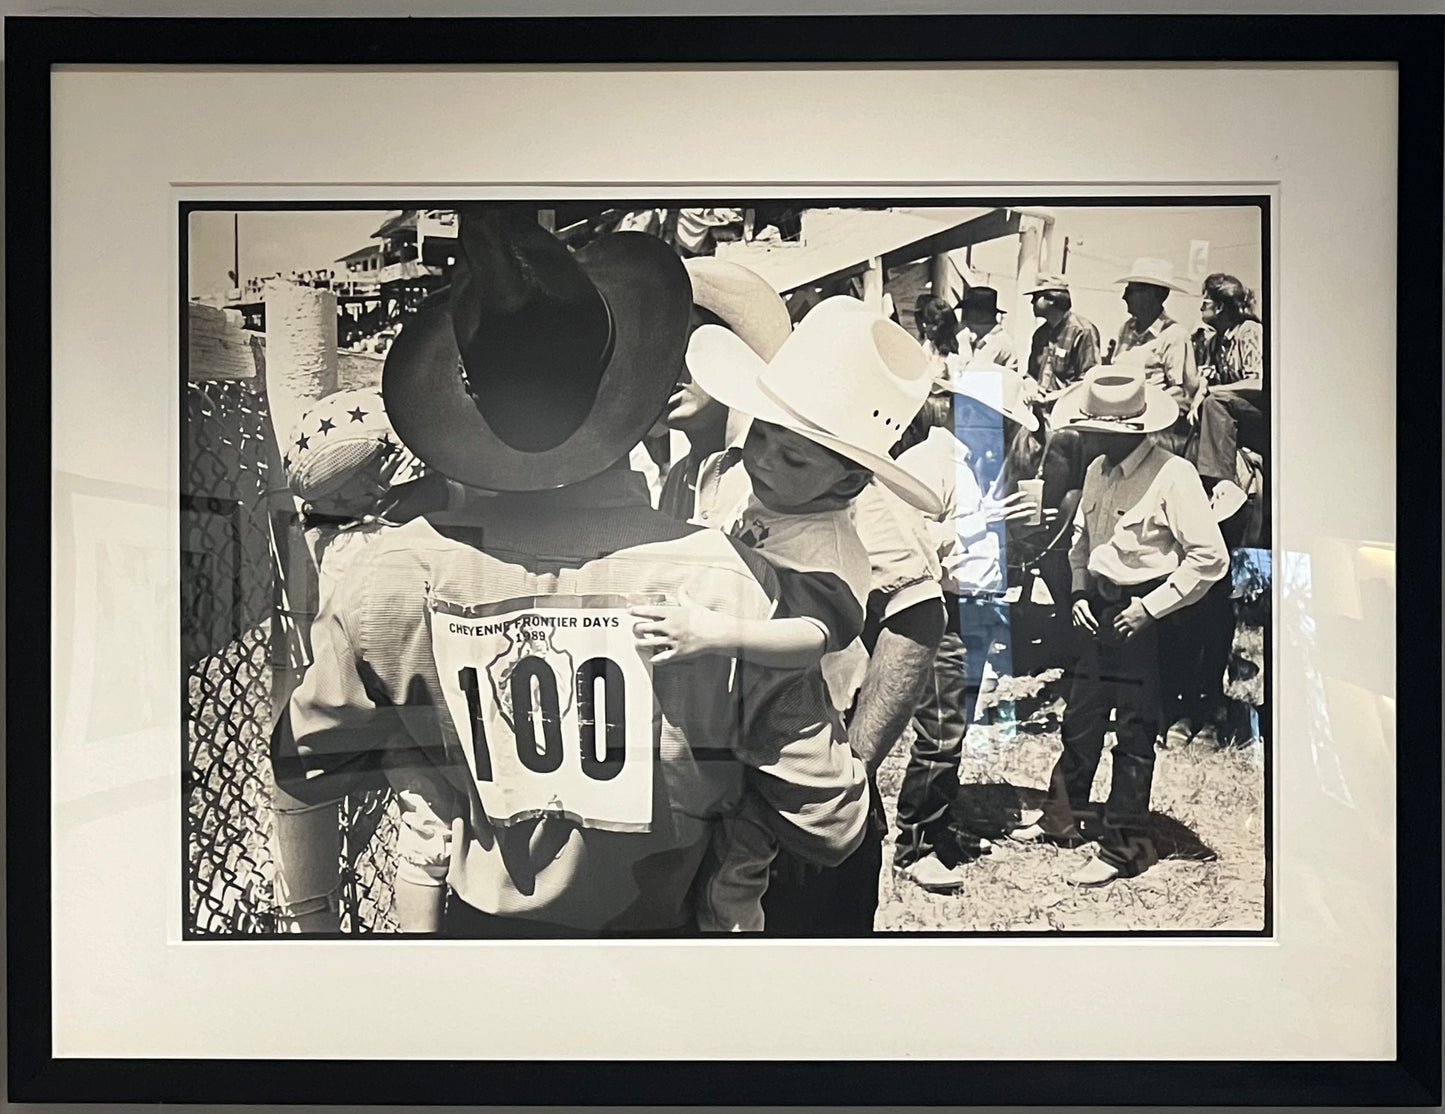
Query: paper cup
[{"x": 1034, "y": 490}]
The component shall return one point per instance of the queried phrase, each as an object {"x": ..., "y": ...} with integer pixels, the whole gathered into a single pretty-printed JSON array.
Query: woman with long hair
[
  {"x": 938, "y": 334},
  {"x": 1235, "y": 350}
]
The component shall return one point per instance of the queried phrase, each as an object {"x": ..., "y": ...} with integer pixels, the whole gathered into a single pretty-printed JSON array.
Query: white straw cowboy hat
[
  {"x": 1153, "y": 272},
  {"x": 998, "y": 388},
  {"x": 1114, "y": 398},
  {"x": 846, "y": 378},
  {"x": 742, "y": 300}
]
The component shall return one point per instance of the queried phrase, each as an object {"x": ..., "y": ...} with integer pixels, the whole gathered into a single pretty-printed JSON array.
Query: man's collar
[
  {"x": 618, "y": 486},
  {"x": 737, "y": 429},
  {"x": 1131, "y": 463},
  {"x": 1157, "y": 326}
]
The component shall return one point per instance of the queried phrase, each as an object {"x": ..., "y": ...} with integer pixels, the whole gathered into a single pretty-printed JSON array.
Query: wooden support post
[
  {"x": 941, "y": 274},
  {"x": 873, "y": 285},
  {"x": 1030, "y": 266}
]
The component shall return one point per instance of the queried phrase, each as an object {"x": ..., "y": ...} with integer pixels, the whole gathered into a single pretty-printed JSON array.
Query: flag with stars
[{"x": 343, "y": 456}]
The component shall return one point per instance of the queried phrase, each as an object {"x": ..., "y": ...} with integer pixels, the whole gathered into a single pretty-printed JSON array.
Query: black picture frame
[{"x": 1413, "y": 43}]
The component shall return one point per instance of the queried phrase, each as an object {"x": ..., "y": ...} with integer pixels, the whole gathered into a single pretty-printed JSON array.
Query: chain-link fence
[{"x": 233, "y": 646}]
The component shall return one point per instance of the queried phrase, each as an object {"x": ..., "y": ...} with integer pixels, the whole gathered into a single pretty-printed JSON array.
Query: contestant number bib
[{"x": 553, "y": 706}]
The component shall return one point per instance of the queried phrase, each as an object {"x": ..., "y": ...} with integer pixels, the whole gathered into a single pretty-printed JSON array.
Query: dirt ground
[{"x": 1208, "y": 806}]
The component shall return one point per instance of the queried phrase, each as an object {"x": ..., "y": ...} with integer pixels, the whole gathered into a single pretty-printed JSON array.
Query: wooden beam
[{"x": 990, "y": 226}]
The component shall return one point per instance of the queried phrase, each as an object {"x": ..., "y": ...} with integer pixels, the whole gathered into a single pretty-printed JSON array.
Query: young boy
[
  {"x": 1146, "y": 545},
  {"x": 825, "y": 410},
  {"x": 352, "y": 477},
  {"x": 988, "y": 403}
]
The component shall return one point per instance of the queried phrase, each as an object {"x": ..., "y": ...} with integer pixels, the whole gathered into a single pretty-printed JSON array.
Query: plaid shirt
[{"x": 372, "y": 701}]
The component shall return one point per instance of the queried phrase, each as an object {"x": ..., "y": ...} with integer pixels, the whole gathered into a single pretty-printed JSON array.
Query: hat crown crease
[{"x": 534, "y": 333}]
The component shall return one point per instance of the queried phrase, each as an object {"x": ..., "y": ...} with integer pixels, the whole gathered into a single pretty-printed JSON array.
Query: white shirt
[
  {"x": 967, "y": 549},
  {"x": 1144, "y": 519}
]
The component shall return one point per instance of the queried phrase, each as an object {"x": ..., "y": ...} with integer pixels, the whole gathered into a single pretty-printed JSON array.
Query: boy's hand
[
  {"x": 1084, "y": 616},
  {"x": 1132, "y": 619},
  {"x": 674, "y": 632},
  {"x": 1015, "y": 506}
]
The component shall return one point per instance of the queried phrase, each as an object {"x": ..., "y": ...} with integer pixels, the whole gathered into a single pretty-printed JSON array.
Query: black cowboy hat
[
  {"x": 538, "y": 367},
  {"x": 982, "y": 298}
]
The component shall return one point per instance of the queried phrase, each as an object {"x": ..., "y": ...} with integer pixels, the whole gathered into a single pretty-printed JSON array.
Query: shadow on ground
[{"x": 992, "y": 809}]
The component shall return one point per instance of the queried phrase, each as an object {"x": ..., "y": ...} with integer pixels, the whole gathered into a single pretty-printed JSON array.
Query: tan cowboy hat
[
  {"x": 1114, "y": 398},
  {"x": 1044, "y": 283},
  {"x": 998, "y": 388},
  {"x": 846, "y": 378},
  {"x": 538, "y": 367},
  {"x": 1153, "y": 272},
  {"x": 742, "y": 300}
]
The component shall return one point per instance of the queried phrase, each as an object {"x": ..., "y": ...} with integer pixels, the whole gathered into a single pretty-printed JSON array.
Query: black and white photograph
[
  {"x": 755, "y": 567},
  {"x": 637, "y": 533}
]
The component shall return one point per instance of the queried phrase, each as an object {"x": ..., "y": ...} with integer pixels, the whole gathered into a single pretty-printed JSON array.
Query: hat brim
[
  {"x": 648, "y": 294},
  {"x": 1160, "y": 412},
  {"x": 1154, "y": 280},
  {"x": 729, "y": 371},
  {"x": 1024, "y": 415},
  {"x": 743, "y": 300}
]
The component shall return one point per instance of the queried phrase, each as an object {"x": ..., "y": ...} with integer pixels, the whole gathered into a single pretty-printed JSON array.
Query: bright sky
[{"x": 274, "y": 240}]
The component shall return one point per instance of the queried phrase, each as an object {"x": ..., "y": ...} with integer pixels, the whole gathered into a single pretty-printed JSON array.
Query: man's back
[{"x": 581, "y": 784}]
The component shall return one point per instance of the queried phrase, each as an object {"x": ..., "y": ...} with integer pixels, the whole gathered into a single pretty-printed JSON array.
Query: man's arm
[
  {"x": 1081, "y": 547},
  {"x": 335, "y": 733},
  {"x": 1180, "y": 356},
  {"x": 906, "y": 578},
  {"x": 1086, "y": 350},
  {"x": 901, "y": 662},
  {"x": 1206, "y": 557}
]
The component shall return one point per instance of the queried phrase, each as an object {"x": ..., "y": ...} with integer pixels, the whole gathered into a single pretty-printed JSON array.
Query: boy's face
[{"x": 792, "y": 475}]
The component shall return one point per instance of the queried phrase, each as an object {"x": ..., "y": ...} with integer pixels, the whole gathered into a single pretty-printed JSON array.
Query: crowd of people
[
  {"x": 618, "y": 693},
  {"x": 255, "y": 287}
]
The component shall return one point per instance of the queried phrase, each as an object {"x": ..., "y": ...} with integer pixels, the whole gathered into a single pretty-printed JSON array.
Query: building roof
[
  {"x": 401, "y": 221},
  {"x": 360, "y": 253}
]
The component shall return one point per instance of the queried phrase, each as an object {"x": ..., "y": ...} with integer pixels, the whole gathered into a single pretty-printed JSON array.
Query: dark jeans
[
  {"x": 1112, "y": 674},
  {"x": 1209, "y": 444},
  {"x": 807, "y": 900},
  {"x": 978, "y": 630},
  {"x": 1194, "y": 646},
  {"x": 1249, "y": 407}
]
